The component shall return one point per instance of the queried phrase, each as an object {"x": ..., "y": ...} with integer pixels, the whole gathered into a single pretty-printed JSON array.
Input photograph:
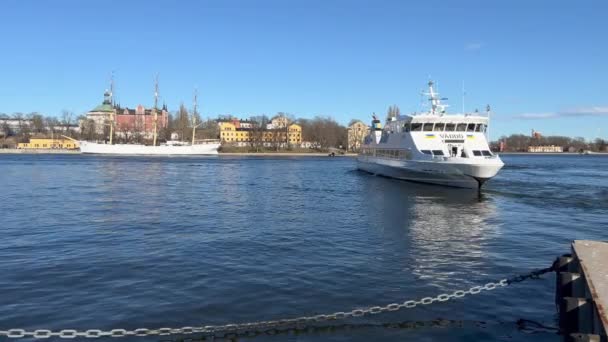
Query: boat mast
[
  {"x": 436, "y": 105},
  {"x": 194, "y": 116},
  {"x": 113, "y": 114},
  {"x": 488, "y": 125},
  {"x": 155, "y": 110}
]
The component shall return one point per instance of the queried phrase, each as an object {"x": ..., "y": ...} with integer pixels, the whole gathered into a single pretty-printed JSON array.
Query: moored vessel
[
  {"x": 432, "y": 147},
  {"x": 169, "y": 148}
]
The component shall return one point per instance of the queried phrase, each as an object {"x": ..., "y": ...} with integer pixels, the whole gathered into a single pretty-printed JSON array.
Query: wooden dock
[{"x": 582, "y": 291}]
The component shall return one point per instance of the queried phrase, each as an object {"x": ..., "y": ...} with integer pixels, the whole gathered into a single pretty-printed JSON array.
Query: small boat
[{"x": 431, "y": 147}]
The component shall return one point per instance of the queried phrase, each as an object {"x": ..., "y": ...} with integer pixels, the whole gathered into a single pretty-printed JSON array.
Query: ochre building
[
  {"x": 357, "y": 131},
  {"x": 243, "y": 132},
  {"x": 44, "y": 143}
]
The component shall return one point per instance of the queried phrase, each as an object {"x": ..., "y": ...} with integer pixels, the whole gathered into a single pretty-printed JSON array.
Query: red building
[
  {"x": 128, "y": 122},
  {"x": 140, "y": 120}
]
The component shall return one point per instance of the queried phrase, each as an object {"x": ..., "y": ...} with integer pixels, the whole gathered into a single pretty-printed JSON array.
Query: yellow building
[
  {"x": 545, "y": 149},
  {"x": 44, "y": 143},
  {"x": 242, "y": 133},
  {"x": 357, "y": 131}
]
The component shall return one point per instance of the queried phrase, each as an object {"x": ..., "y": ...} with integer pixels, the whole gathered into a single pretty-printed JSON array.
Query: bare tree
[
  {"x": 182, "y": 123},
  {"x": 66, "y": 121},
  {"x": 88, "y": 130},
  {"x": 258, "y": 132},
  {"x": 392, "y": 112},
  {"x": 37, "y": 121}
]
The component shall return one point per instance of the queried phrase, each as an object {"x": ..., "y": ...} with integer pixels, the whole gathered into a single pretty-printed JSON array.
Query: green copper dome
[
  {"x": 106, "y": 106},
  {"x": 103, "y": 108}
]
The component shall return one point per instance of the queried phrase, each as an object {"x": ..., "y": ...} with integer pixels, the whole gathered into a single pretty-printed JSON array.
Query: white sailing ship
[
  {"x": 170, "y": 148},
  {"x": 432, "y": 147}
]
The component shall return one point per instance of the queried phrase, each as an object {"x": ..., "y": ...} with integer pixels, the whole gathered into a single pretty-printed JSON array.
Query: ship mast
[
  {"x": 194, "y": 123},
  {"x": 436, "y": 105},
  {"x": 113, "y": 114},
  {"x": 155, "y": 110}
]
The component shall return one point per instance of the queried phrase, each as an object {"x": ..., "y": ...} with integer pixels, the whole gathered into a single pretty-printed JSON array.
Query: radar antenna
[{"x": 436, "y": 106}]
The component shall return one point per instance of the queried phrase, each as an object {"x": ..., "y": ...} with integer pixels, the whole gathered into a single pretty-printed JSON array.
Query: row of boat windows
[
  {"x": 444, "y": 127},
  {"x": 476, "y": 153},
  {"x": 394, "y": 154},
  {"x": 405, "y": 154}
]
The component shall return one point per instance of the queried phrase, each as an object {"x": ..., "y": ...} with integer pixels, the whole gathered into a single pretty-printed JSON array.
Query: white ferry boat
[{"x": 431, "y": 147}]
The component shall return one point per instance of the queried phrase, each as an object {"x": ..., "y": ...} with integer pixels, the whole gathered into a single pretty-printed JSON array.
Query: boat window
[
  {"x": 426, "y": 151},
  {"x": 416, "y": 127},
  {"x": 482, "y": 128},
  {"x": 471, "y": 127},
  {"x": 461, "y": 127},
  {"x": 406, "y": 127},
  {"x": 477, "y": 153},
  {"x": 450, "y": 127},
  {"x": 403, "y": 154},
  {"x": 438, "y": 152},
  {"x": 428, "y": 127},
  {"x": 478, "y": 128},
  {"x": 439, "y": 127},
  {"x": 486, "y": 153}
]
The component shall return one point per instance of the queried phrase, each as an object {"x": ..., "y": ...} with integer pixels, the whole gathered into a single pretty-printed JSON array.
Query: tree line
[
  {"x": 520, "y": 143},
  {"x": 322, "y": 132}
]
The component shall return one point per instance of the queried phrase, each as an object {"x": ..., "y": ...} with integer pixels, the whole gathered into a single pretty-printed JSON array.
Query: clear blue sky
[{"x": 539, "y": 64}]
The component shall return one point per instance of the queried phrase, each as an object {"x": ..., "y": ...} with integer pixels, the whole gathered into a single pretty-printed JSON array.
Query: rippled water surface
[{"x": 100, "y": 242}]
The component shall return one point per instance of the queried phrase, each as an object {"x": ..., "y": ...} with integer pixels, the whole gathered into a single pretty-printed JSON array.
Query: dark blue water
[{"x": 99, "y": 242}]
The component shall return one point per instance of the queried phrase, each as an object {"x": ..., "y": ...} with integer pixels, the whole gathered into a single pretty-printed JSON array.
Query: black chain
[{"x": 532, "y": 275}]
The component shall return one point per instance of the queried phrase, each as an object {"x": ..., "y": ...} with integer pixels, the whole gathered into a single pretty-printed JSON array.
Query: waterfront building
[
  {"x": 10, "y": 127},
  {"x": 53, "y": 143},
  {"x": 357, "y": 131},
  {"x": 545, "y": 149},
  {"x": 128, "y": 122},
  {"x": 278, "y": 122},
  {"x": 244, "y": 133}
]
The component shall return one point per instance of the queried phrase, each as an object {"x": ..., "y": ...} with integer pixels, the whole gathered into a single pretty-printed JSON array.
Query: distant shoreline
[
  {"x": 255, "y": 154},
  {"x": 37, "y": 151},
  {"x": 553, "y": 153},
  {"x": 286, "y": 154}
]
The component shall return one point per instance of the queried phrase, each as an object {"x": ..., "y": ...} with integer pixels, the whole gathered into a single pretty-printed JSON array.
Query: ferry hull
[
  {"x": 469, "y": 176},
  {"x": 143, "y": 150}
]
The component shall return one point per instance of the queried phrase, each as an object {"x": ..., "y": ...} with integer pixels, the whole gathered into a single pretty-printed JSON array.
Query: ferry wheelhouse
[{"x": 432, "y": 147}]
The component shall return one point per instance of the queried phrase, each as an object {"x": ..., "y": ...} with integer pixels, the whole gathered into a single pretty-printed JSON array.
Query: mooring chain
[{"x": 267, "y": 325}]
